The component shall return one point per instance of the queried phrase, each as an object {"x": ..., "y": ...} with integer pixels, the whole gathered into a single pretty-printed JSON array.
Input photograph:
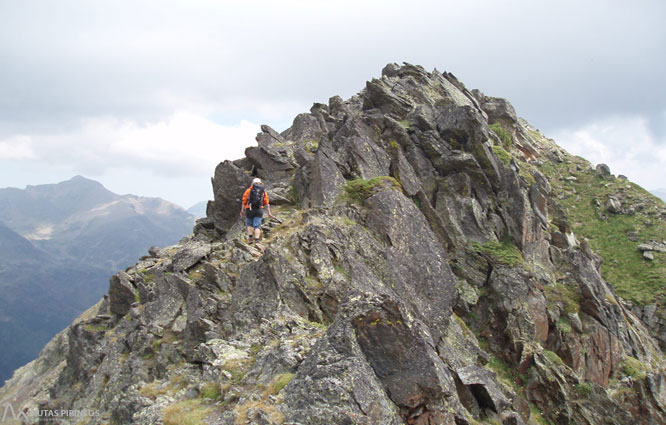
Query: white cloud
[
  {"x": 17, "y": 147},
  {"x": 184, "y": 144},
  {"x": 625, "y": 144},
  {"x": 173, "y": 158}
]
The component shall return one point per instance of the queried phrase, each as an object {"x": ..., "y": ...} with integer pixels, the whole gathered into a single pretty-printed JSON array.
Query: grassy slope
[{"x": 634, "y": 278}]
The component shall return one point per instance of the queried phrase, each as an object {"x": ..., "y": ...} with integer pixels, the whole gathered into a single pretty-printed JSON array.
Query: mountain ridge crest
[{"x": 423, "y": 270}]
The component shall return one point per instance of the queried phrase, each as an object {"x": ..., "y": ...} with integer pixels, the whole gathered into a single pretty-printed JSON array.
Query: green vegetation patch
[
  {"x": 211, "y": 390},
  {"x": 504, "y": 252},
  {"x": 525, "y": 172},
  {"x": 393, "y": 148},
  {"x": 293, "y": 195},
  {"x": 507, "y": 374},
  {"x": 237, "y": 376},
  {"x": 565, "y": 297},
  {"x": 344, "y": 220},
  {"x": 278, "y": 383},
  {"x": 503, "y": 135},
  {"x": 148, "y": 276},
  {"x": 502, "y": 154},
  {"x": 563, "y": 325},
  {"x": 536, "y": 415},
  {"x": 318, "y": 325},
  {"x": 361, "y": 189},
  {"x": 583, "y": 200},
  {"x": 553, "y": 357},
  {"x": 238, "y": 368},
  {"x": 634, "y": 368},
  {"x": 582, "y": 390},
  {"x": 311, "y": 146},
  {"x": 256, "y": 348},
  {"x": 96, "y": 328}
]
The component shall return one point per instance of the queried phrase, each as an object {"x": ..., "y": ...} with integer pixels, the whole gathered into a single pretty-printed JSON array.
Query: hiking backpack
[{"x": 256, "y": 199}]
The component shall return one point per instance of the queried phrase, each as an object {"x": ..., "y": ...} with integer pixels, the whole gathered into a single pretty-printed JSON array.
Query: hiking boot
[{"x": 250, "y": 240}]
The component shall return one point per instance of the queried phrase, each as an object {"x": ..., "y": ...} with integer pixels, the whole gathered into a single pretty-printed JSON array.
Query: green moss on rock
[
  {"x": 502, "y": 154},
  {"x": 504, "y": 252},
  {"x": 211, "y": 390},
  {"x": 553, "y": 357},
  {"x": 361, "y": 189},
  {"x": 503, "y": 135},
  {"x": 278, "y": 383},
  {"x": 564, "y": 326},
  {"x": 564, "y": 297},
  {"x": 96, "y": 328},
  {"x": 634, "y": 368},
  {"x": 582, "y": 390}
]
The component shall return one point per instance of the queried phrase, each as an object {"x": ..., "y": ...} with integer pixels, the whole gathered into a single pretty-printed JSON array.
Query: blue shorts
[{"x": 253, "y": 219}]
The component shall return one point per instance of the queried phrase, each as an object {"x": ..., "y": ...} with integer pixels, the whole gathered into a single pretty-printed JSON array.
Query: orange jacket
[{"x": 246, "y": 197}]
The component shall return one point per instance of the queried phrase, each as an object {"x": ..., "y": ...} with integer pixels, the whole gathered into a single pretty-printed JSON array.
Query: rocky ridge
[{"x": 423, "y": 271}]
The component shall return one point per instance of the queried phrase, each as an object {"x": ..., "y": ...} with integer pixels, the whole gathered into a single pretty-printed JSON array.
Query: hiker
[{"x": 255, "y": 199}]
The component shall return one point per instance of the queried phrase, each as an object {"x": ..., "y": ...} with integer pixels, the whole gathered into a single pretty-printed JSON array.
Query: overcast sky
[{"x": 148, "y": 96}]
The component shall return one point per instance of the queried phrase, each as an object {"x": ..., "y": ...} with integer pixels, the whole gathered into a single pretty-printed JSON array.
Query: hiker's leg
[
  {"x": 256, "y": 223},
  {"x": 249, "y": 221}
]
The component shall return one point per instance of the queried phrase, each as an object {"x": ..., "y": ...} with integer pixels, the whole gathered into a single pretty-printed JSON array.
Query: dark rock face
[
  {"x": 273, "y": 158},
  {"x": 121, "y": 294},
  {"x": 229, "y": 183},
  {"x": 422, "y": 274},
  {"x": 320, "y": 182},
  {"x": 603, "y": 170}
]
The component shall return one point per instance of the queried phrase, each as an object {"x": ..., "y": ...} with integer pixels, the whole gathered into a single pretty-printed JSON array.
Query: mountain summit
[
  {"x": 58, "y": 245},
  {"x": 68, "y": 217},
  {"x": 422, "y": 271}
]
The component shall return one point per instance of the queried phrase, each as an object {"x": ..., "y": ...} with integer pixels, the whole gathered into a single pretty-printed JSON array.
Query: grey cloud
[
  {"x": 560, "y": 64},
  {"x": 657, "y": 124}
]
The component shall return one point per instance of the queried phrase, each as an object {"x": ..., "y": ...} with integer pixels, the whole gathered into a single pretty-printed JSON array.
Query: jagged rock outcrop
[{"x": 421, "y": 273}]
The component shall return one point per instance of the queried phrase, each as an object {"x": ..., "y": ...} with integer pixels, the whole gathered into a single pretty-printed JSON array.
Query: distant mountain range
[
  {"x": 59, "y": 245},
  {"x": 198, "y": 210}
]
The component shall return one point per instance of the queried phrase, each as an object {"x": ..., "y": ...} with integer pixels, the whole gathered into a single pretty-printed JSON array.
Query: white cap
[{"x": 256, "y": 180}]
